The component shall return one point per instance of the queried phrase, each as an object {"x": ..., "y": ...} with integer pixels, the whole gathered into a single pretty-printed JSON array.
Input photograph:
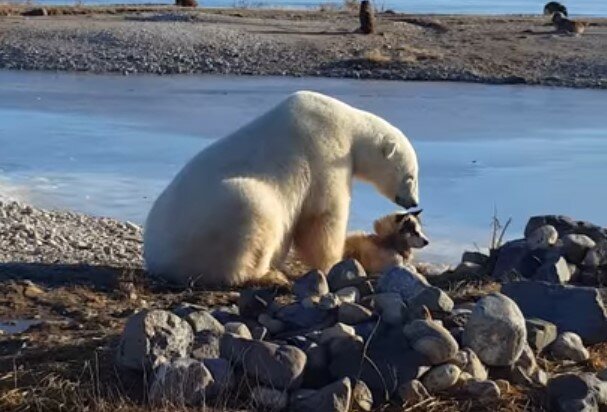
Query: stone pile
[{"x": 344, "y": 341}]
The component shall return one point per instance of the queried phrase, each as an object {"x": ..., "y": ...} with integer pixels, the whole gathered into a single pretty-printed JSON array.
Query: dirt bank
[{"x": 505, "y": 49}]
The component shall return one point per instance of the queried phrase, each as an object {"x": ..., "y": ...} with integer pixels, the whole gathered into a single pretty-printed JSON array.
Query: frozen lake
[{"x": 106, "y": 145}]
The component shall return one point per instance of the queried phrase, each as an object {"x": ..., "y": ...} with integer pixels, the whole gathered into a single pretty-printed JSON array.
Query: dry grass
[
  {"x": 411, "y": 53},
  {"x": 377, "y": 56}
]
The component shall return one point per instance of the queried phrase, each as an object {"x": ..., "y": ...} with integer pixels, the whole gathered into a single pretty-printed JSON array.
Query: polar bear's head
[{"x": 386, "y": 158}]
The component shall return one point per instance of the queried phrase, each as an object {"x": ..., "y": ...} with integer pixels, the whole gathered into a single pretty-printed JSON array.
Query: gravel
[{"x": 508, "y": 49}]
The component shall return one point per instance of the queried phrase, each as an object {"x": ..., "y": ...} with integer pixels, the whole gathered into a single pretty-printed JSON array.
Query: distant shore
[{"x": 167, "y": 40}]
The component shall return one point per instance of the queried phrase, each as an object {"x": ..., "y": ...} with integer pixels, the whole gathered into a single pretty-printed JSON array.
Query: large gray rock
[
  {"x": 540, "y": 333},
  {"x": 553, "y": 272},
  {"x": 223, "y": 377},
  {"x": 543, "y": 237},
  {"x": 576, "y": 392},
  {"x": 390, "y": 307},
  {"x": 180, "y": 382},
  {"x": 496, "y": 330},
  {"x": 431, "y": 339},
  {"x": 297, "y": 316},
  {"x": 346, "y": 273},
  {"x": 402, "y": 280},
  {"x": 152, "y": 336},
  {"x": 524, "y": 371},
  {"x": 576, "y": 246},
  {"x": 511, "y": 260},
  {"x": 566, "y": 225},
  {"x": 202, "y": 320},
  {"x": 352, "y": 314},
  {"x": 414, "y": 289},
  {"x": 313, "y": 283},
  {"x": 316, "y": 372},
  {"x": 569, "y": 346},
  {"x": 441, "y": 377},
  {"x": 277, "y": 366},
  {"x": 252, "y": 302},
  {"x": 335, "y": 397},
  {"x": 570, "y": 308},
  {"x": 206, "y": 345}
]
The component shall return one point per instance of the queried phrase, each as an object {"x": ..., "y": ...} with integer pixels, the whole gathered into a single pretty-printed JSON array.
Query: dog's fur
[
  {"x": 392, "y": 243},
  {"x": 564, "y": 25}
]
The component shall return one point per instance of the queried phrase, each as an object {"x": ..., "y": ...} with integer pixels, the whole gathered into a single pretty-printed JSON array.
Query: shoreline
[{"x": 161, "y": 40}]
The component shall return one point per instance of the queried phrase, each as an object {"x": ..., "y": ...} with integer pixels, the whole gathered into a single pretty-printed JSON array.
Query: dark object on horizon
[
  {"x": 35, "y": 12},
  {"x": 554, "y": 7},
  {"x": 367, "y": 17},
  {"x": 186, "y": 3},
  {"x": 564, "y": 25}
]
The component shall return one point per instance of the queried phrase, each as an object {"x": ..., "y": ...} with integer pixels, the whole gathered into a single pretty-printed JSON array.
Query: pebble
[{"x": 441, "y": 377}]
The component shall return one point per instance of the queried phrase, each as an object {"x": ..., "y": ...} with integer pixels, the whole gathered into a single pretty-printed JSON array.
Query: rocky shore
[
  {"x": 163, "y": 40},
  {"x": 522, "y": 328}
]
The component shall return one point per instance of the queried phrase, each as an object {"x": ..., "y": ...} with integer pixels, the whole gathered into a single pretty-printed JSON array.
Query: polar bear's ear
[{"x": 389, "y": 148}]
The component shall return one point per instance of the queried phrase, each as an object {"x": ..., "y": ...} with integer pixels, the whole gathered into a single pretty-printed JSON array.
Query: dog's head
[{"x": 404, "y": 228}]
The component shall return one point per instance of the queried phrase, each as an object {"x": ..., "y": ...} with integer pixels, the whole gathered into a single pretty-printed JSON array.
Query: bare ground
[{"x": 504, "y": 49}]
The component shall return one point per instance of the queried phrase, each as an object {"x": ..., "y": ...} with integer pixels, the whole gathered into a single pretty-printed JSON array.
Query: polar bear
[{"x": 285, "y": 179}]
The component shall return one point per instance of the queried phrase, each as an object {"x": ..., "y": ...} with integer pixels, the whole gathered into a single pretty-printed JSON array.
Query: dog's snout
[{"x": 426, "y": 242}]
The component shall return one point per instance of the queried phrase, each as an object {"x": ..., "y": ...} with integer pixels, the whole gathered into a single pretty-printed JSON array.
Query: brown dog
[
  {"x": 564, "y": 25},
  {"x": 392, "y": 243}
]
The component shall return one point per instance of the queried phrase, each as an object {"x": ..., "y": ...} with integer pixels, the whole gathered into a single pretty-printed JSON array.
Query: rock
[
  {"x": 346, "y": 273},
  {"x": 390, "y": 307},
  {"x": 316, "y": 372},
  {"x": 239, "y": 329},
  {"x": 313, "y": 283},
  {"x": 542, "y": 238},
  {"x": 206, "y": 345},
  {"x": 180, "y": 382},
  {"x": 412, "y": 392},
  {"x": 553, "y": 272},
  {"x": 575, "y": 247},
  {"x": 602, "y": 374},
  {"x": 223, "y": 377},
  {"x": 522, "y": 372},
  {"x": 433, "y": 298},
  {"x": 570, "y": 308},
  {"x": 510, "y": 260},
  {"x": 441, "y": 377},
  {"x": 570, "y": 392},
  {"x": 362, "y": 398},
  {"x": 496, "y": 330},
  {"x": 596, "y": 257},
  {"x": 253, "y": 302},
  {"x": 482, "y": 390},
  {"x": 540, "y": 333},
  {"x": 469, "y": 362},
  {"x": 259, "y": 332},
  {"x": 335, "y": 397},
  {"x": 277, "y": 366},
  {"x": 475, "y": 257},
  {"x": 297, "y": 316},
  {"x": 349, "y": 294},
  {"x": 274, "y": 326},
  {"x": 346, "y": 356},
  {"x": 468, "y": 270},
  {"x": 366, "y": 288},
  {"x": 269, "y": 399},
  {"x": 432, "y": 340},
  {"x": 569, "y": 346},
  {"x": 329, "y": 301},
  {"x": 226, "y": 314},
  {"x": 339, "y": 330},
  {"x": 204, "y": 321},
  {"x": 565, "y": 225},
  {"x": 150, "y": 336},
  {"x": 352, "y": 314},
  {"x": 402, "y": 280}
]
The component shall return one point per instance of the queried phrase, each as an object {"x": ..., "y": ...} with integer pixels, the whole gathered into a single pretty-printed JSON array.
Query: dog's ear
[
  {"x": 399, "y": 217},
  {"x": 416, "y": 213},
  {"x": 384, "y": 226}
]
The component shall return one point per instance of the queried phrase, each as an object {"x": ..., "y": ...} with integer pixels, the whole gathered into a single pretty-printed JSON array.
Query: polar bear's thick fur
[{"x": 235, "y": 210}]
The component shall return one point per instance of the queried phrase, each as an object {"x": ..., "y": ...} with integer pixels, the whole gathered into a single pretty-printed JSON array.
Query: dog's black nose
[{"x": 426, "y": 242}]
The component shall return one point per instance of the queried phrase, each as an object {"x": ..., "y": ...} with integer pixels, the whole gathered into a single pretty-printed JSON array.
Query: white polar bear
[{"x": 285, "y": 179}]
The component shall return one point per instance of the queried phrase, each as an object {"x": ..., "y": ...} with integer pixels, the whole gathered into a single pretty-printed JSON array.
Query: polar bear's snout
[{"x": 408, "y": 194}]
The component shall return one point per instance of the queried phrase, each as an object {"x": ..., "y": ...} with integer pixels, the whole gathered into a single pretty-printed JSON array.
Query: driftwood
[{"x": 367, "y": 17}]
